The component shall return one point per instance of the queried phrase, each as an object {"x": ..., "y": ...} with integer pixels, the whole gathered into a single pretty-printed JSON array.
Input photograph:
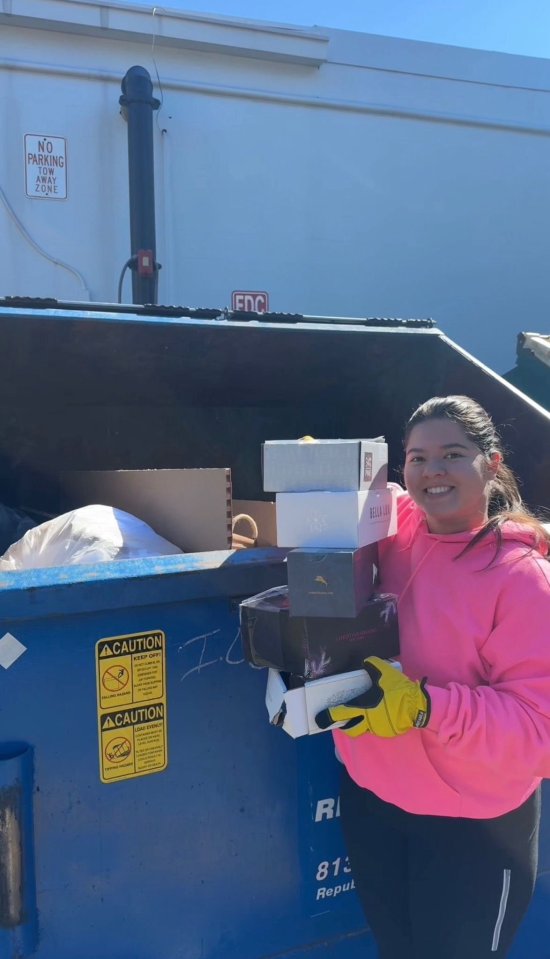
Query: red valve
[{"x": 145, "y": 262}]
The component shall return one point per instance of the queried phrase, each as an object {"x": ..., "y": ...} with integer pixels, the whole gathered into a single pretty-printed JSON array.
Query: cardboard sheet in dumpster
[
  {"x": 131, "y": 705},
  {"x": 189, "y": 507}
]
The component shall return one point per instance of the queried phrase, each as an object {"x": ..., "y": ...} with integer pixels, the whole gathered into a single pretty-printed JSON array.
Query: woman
[{"x": 440, "y": 801}]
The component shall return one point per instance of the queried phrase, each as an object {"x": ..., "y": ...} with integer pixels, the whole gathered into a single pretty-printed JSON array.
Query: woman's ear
[{"x": 493, "y": 463}]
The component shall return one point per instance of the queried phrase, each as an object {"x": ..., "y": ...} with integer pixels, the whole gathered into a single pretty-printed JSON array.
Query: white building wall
[{"x": 345, "y": 174}]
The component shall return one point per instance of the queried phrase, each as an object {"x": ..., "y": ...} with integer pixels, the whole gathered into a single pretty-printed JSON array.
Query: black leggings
[{"x": 437, "y": 887}]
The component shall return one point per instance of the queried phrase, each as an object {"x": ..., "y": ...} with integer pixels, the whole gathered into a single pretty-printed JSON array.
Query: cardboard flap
[
  {"x": 264, "y": 515},
  {"x": 189, "y": 507},
  {"x": 284, "y": 709}
]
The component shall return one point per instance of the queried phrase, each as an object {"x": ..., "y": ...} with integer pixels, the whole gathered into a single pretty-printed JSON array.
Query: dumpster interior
[
  {"x": 105, "y": 390},
  {"x": 82, "y": 390}
]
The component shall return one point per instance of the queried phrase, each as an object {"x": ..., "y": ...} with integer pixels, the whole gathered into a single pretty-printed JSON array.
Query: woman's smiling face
[{"x": 448, "y": 476}]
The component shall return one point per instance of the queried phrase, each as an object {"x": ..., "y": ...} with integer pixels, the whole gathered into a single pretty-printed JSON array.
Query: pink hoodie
[{"x": 480, "y": 631}]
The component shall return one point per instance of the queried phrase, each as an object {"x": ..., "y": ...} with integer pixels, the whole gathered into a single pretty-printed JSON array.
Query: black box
[
  {"x": 313, "y": 647},
  {"x": 331, "y": 582}
]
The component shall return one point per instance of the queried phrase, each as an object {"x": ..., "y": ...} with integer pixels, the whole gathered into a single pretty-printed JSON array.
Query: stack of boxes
[{"x": 333, "y": 506}]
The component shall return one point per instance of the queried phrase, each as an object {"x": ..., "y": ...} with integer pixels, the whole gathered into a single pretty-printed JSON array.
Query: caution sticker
[{"x": 131, "y": 705}]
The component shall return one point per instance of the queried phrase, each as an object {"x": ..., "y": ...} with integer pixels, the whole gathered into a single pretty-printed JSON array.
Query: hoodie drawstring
[{"x": 416, "y": 569}]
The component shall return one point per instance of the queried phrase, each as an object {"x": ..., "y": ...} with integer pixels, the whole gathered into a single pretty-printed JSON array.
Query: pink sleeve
[
  {"x": 407, "y": 514},
  {"x": 403, "y": 498},
  {"x": 508, "y": 720}
]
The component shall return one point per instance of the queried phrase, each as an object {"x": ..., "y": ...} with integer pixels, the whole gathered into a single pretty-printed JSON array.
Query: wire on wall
[
  {"x": 156, "y": 11},
  {"x": 47, "y": 256}
]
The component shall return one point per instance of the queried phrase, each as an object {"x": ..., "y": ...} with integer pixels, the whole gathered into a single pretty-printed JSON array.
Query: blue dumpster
[{"x": 177, "y": 823}]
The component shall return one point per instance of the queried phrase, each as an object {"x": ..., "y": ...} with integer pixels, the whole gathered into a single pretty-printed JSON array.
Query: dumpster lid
[
  {"x": 204, "y": 313},
  {"x": 536, "y": 343}
]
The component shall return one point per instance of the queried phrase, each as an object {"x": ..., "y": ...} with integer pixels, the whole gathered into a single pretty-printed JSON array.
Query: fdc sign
[{"x": 250, "y": 301}]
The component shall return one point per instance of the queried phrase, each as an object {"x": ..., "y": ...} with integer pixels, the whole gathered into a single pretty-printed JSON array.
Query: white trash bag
[{"x": 91, "y": 534}]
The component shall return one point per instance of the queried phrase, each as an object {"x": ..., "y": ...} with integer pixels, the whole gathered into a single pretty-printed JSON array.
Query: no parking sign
[{"x": 45, "y": 167}]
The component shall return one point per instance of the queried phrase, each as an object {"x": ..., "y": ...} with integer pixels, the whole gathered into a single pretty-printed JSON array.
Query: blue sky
[{"x": 510, "y": 26}]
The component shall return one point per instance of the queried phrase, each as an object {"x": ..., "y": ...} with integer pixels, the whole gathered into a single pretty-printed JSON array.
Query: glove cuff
[{"x": 423, "y": 715}]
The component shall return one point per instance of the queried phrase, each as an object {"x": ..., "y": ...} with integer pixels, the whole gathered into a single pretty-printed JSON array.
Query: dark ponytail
[
  {"x": 504, "y": 495},
  {"x": 505, "y": 501}
]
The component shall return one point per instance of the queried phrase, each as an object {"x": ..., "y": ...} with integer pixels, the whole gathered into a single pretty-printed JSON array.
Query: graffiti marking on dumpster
[
  {"x": 131, "y": 701},
  {"x": 199, "y": 645}
]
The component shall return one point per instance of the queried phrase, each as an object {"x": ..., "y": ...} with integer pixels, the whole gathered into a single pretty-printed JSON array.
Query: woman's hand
[{"x": 393, "y": 705}]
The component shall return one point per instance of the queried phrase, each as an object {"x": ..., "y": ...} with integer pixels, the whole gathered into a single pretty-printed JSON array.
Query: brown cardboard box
[
  {"x": 263, "y": 514},
  {"x": 189, "y": 507}
]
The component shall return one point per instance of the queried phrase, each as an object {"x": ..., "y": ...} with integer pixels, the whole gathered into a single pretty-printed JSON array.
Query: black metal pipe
[
  {"x": 18, "y": 920},
  {"x": 138, "y": 103}
]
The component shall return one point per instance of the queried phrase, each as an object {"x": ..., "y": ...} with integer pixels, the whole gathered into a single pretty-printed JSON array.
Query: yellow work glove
[{"x": 393, "y": 704}]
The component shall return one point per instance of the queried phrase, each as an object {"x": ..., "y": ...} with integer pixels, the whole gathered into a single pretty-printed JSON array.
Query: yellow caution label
[{"x": 131, "y": 705}]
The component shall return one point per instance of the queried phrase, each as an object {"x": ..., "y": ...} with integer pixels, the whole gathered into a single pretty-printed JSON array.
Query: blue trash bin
[{"x": 149, "y": 809}]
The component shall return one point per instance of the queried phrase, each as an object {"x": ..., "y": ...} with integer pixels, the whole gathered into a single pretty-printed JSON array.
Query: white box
[
  {"x": 294, "y": 710},
  {"x": 295, "y": 466},
  {"x": 336, "y": 520}
]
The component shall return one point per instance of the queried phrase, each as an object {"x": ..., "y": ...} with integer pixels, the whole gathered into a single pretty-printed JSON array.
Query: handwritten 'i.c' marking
[{"x": 203, "y": 663}]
